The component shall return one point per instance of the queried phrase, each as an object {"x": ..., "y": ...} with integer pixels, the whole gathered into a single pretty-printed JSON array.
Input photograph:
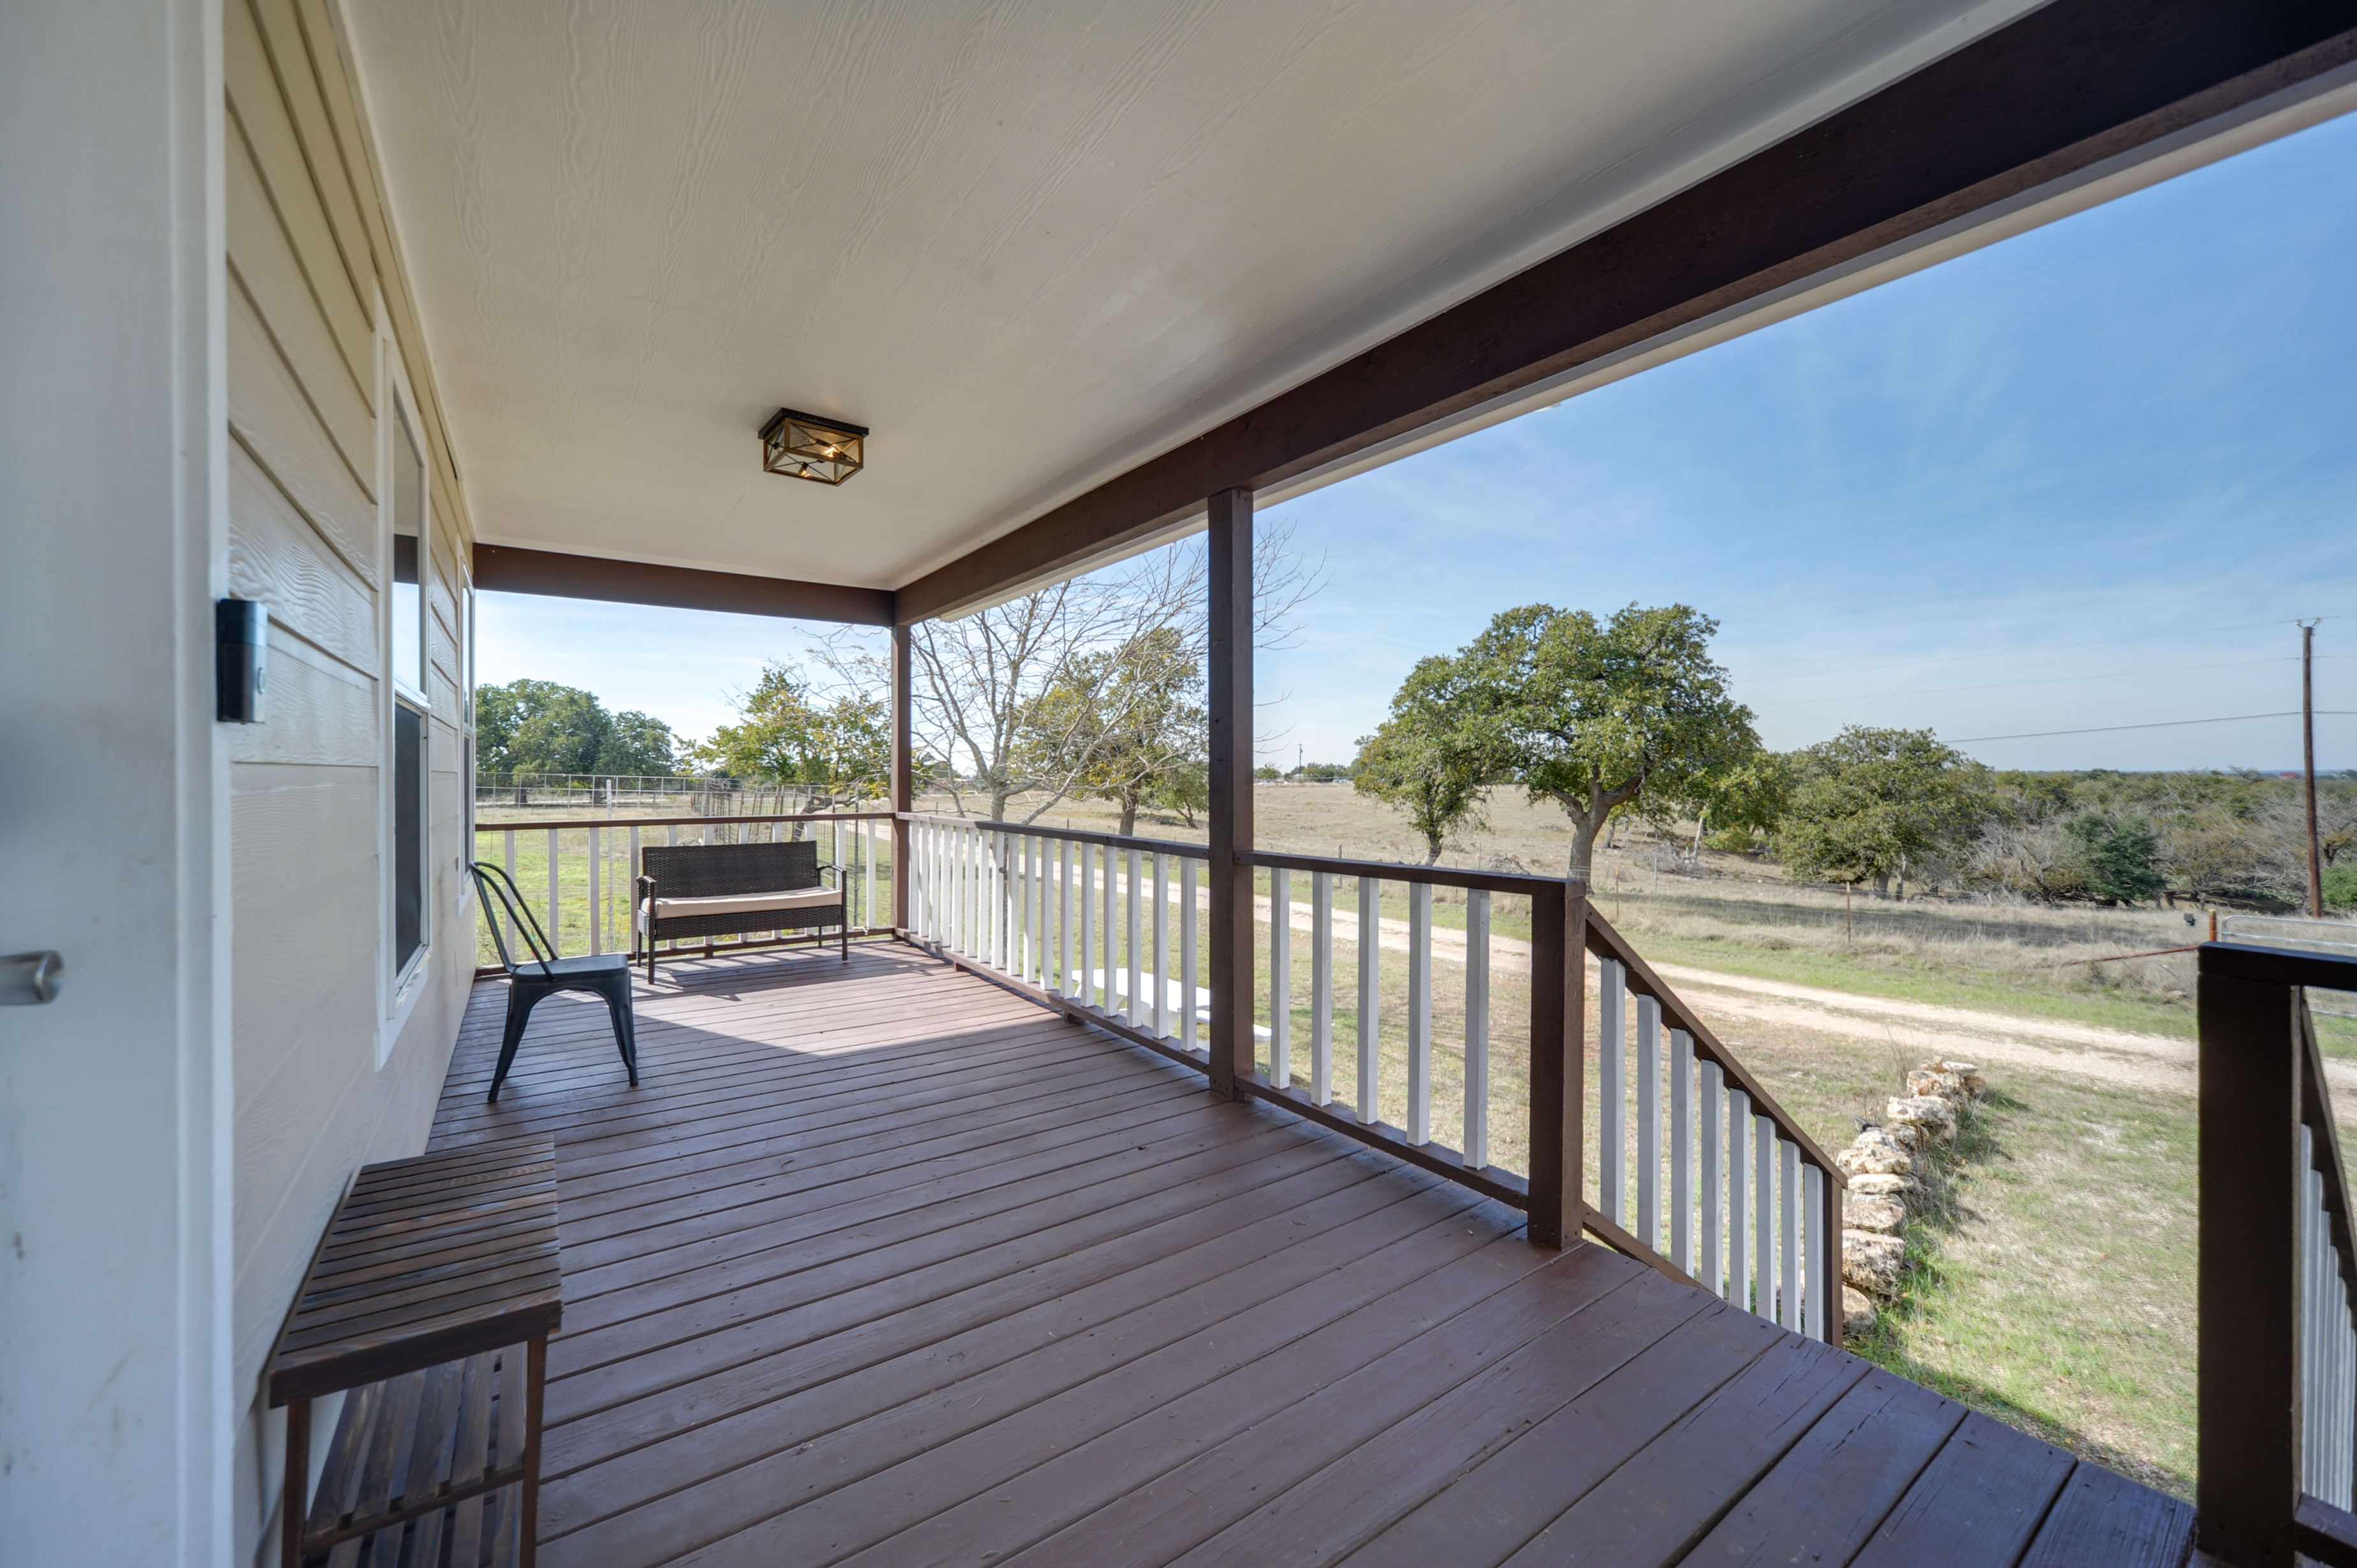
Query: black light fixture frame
[{"x": 800, "y": 446}]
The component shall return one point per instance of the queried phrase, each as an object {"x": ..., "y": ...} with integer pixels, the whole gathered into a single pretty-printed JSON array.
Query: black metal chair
[{"x": 607, "y": 974}]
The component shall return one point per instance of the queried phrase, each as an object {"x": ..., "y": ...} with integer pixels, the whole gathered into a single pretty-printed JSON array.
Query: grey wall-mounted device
[{"x": 242, "y": 657}]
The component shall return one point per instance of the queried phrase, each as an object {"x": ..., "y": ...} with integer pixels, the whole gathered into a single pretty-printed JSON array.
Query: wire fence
[{"x": 2337, "y": 937}]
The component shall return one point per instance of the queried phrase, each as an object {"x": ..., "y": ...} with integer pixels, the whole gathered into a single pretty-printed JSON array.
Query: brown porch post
[
  {"x": 1231, "y": 1042},
  {"x": 903, "y": 776},
  {"x": 2247, "y": 1368},
  {"x": 1558, "y": 1041}
]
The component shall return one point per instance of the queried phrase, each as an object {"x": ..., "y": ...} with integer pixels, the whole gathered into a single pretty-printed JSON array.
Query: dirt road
[{"x": 1727, "y": 1002}]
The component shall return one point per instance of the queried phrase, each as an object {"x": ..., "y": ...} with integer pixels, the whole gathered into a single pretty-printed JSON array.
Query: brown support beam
[
  {"x": 1231, "y": 1042},
  {"x": 903, "y": 775},
  {"x": 511, "y": 569},
  {"x": 2072, "y": 84},
  {"x": 2246, "y": 1377}
]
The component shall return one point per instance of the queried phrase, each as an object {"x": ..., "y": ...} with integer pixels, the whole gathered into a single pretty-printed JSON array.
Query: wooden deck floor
[{"x": 884, "y": 1265}]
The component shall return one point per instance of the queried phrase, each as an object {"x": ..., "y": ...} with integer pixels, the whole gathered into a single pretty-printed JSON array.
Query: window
[{"x": 407, "y": 794}]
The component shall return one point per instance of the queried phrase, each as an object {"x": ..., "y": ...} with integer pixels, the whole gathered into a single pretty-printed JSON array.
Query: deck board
[{"x": 886, "y": 1265}]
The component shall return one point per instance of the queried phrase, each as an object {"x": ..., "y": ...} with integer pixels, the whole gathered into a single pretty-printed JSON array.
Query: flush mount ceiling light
[{"x": 804, "y": 446}]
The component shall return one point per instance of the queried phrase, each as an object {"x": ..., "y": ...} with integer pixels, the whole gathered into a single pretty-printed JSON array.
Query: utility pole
[{"x": 2308, "y": 764}]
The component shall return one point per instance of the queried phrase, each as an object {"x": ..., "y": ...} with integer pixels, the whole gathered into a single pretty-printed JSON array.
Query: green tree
[
  {"x": 1127, "y": 724},
  {"x": 1426, "y": 760},
  {"x": 1601, "y": 717},
  {"x": 539, "y": 727},
  {"x": 1872, "y": 804},
  {"x": 2118, "y": 857},
  {"x": 789, "y": 734}
]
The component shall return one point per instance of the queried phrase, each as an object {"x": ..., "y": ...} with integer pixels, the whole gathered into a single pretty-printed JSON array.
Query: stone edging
[{"x": 1882, "y": 1164}]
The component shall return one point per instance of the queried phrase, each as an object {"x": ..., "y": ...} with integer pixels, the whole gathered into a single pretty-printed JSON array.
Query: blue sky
[{"x": 2085, "y": 477}]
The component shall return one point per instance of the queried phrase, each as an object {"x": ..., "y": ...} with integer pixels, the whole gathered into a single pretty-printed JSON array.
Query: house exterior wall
[
  {"x": 114, "y": 1107},
  {"x": 335, "y": 1065}
]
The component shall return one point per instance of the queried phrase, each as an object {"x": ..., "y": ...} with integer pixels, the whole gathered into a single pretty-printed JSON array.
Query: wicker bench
[{"x": 687, "y": 891}]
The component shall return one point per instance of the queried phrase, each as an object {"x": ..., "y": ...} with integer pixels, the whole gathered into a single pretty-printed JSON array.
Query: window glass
[
  {"x": 408, "y": 835},
  {"x": 408, "y": 555}
]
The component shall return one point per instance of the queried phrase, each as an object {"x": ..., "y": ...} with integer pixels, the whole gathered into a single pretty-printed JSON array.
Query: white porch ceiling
[{"x": 1031, "y": 244}]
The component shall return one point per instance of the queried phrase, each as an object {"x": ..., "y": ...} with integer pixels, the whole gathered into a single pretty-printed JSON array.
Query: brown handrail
[
  {"x": 1403, "y": 871},
  {"x": 1075, "y": 835},
  {"x": 529, "y": 826},
  {"x": 1606, "y": 942}
]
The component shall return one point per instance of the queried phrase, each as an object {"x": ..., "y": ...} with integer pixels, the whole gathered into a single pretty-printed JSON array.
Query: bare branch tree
[{"x": 979, "y": 679}]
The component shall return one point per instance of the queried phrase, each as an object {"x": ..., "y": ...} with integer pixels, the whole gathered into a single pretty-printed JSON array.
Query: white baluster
[
  {"x": 1419, "y": 1013},
  {"x": 1370, "y": 996},
  {"x": 1813, "y": 1260},
  {"x": 1135, "y": 1009},
  {"x": 1064, "y": 985},
  {"x": 1681, "y": 1150},
  {"x": 556, "y": 921},
  {"x": 1321, "y": 987},
  {"x": 1280, "y": 977},
  {"x": 507, "y": 859},
  {"x": 1648, "y": 1121},
  {"x": 1477, "y": 1028},
  {"x": 1739, "y": 1198},
  {"x": 1112, "y": 932},
  {"x": 1788, "y": 1229},
  {"x": 1161, "y": 945},
  {"x": 1189, "y": 1002},
  {"x": 597, "y": 932},
  {"x": 630, "y": 886},
  {"x": 1035, "y": 912},
  {"x": 1086, "y": 986},
  {"x": 867, "y": 865},
  {"x": 1763, "y": 1227},
  {"x": 1612, "y": 1089},
  {"x": 1710, "y": 1117}
]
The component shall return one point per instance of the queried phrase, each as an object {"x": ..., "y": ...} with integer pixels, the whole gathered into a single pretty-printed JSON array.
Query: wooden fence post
[{"x": 1558, "y": 1212}]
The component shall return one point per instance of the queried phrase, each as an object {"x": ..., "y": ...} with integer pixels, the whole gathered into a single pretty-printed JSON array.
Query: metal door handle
[{"x": 27, "y": 979}]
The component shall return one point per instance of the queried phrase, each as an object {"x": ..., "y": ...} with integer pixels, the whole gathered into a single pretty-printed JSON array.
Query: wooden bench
[
  {"x": 429, "y": 1304},
  {"x": 733, "y": 889}
]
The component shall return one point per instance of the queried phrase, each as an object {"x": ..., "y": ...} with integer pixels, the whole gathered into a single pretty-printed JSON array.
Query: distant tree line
[
  {"x": 539, "y": 727},
  {"x": 1628, "y": 716}
]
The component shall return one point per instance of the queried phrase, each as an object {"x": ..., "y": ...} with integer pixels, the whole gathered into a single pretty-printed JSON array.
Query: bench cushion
[{"x": 746, "y": 903}]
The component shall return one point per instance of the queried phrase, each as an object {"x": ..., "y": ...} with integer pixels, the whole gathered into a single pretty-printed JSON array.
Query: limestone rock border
[{"x": 1881, "y": 1165}]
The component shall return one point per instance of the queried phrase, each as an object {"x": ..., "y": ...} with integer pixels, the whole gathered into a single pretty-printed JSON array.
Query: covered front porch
[{"x": 886, "y": 1262}]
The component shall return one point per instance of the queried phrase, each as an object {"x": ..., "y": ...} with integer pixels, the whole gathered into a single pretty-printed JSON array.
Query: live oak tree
[
  {"x": 1873, "y": 804},
  {"x": 1425, "y": 760},
  {"x": 539, "y": 727},
  {"x": 1628, "y": 713},
  {"x": 839, "y": 745},
  {"x": 1131, "y": 716}
]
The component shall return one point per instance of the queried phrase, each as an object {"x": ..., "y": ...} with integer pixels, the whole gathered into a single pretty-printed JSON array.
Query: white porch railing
[
  {"x": 1374, "y": 1014},
  {"x": 580, "y": 874},
  {"x": 1112, "y": 924}
]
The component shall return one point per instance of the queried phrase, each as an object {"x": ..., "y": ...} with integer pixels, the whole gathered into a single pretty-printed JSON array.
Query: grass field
[{"x": 2053, "y": 1280}]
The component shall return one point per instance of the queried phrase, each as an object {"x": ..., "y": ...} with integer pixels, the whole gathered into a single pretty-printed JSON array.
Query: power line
[
  {"x": 2009, "y": 652},
  {"x": 2164, "y": 724},
  {"x": 2050, "y": 681}
]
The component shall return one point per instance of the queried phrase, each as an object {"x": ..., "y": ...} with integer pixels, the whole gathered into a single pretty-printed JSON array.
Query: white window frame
[
  {"x": 398, "y": 993},
  {"x": 463, "y": 595}
]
